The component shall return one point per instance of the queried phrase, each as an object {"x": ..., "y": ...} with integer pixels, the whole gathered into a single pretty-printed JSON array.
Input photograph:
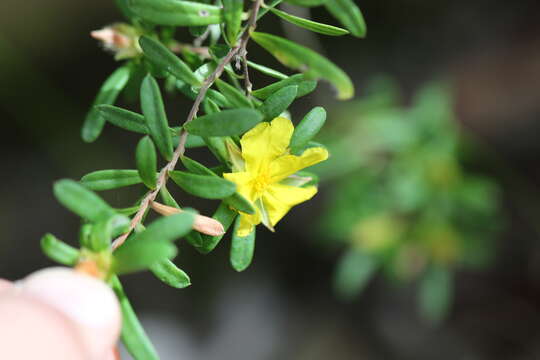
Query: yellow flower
[{"x": 266, "y": 169}]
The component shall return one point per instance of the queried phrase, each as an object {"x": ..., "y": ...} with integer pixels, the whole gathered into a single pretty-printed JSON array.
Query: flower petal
[
  {"x": 243, "y": 181},
  {"x": 279, "y": 199},
  {"x": 287, "y": 165},
  {"x": 247, "y": 223},
  {"x": 266, "y": 142}
]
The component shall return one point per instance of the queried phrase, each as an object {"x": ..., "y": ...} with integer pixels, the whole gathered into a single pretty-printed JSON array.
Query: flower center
[{"x": 261, "y": 182}]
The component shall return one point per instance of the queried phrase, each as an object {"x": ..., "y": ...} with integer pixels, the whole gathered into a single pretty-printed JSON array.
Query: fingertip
[
  {"x": 86, "y": 301},
  {"x": 5, "y": 284}
]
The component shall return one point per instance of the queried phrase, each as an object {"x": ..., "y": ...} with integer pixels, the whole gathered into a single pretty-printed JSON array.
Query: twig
[{"x": 180, "y": 149}]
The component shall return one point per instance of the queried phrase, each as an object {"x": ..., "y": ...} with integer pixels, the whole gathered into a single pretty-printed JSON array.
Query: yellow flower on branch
[{"x": 265, "y": 172}]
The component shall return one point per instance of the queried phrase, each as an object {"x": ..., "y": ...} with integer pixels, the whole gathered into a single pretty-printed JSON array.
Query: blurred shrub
[{"x": 401, "y": 201}]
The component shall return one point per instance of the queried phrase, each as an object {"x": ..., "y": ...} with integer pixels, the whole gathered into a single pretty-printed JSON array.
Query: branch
[{"x": 180, "y": 149}]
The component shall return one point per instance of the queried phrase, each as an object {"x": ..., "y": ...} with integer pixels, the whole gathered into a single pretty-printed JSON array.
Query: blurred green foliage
[{"x": 401, "y": 200}]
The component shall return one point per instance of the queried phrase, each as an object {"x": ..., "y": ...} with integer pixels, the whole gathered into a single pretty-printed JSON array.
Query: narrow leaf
[
  {"x": 235, "y": 97},
  {"x": 307, "y": 3},
  {"x": 81, "y": 201},
  {"x": 236, "y": 200},
  {"x": 161, "y": 56},
  {"x": 242, "y": 249},
  {"x": 146, "y": 159},
  {"x": 156, "y": 119},
  {"x": 232, "y": 15},
  {"x": 306, "y": 60},
  {"x": 225, "y": 215},
  {"x": 93, "y": 124},
  {"x": 307, "y": 129},
  {"x": 267, "y": 71},
  {"x": 353, "y": 272},
  {"x": 146, "y": 248},
  {"x": 310, "y": 25},
  {"x": 207, "y": 187},
  {"x": 103, "y": 231},
  {"x": 133, "y": 335},
  {"x": 170, "y": 274},
  {"x": 304, "y": 86},
  {"x": 349, "y": 15},
  {"x": 176, "y": 12},
  {"x": 110, "y": 179},
  {"x": 225, "y": 123},
  {"x": 125, "y": 119},
  {"x": 59, "y": 251},
  {"x": 278, "y": 102}
]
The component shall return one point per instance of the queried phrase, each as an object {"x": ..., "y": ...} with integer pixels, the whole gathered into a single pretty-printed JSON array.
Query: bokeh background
[{"x": 283, "y": 306}]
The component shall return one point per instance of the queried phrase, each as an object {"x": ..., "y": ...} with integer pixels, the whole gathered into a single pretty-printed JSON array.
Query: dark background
[{"x": 282, "y": 307}]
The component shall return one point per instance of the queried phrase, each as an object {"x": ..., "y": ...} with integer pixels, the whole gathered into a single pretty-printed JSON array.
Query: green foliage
[
  {"x": 213, "y": 72},
  {"x": 59, "y": 251},
  {"x": 402, "y": 199},
  {"x": 156, "y": 119},
  {"x": 93, "y": 124},
  {"x": 146, "y": 158},
  {"x": 310, "y": 25},
  {"x": 175, "y": 13},
  {"x": 110, "y": 179},
  {"x": 242, "y": 248},
  {"x": 298, "y": 57},
  {"x": 225, "y": 123},
  {"x": 278, "y": 102}
]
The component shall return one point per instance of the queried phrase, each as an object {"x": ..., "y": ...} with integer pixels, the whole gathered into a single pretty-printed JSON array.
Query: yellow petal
[
  {"x": 266, "y": 142},
  {"x": 243, "y": 181},
  {"x": 279, "y": 199},
  {"x": 290, "y": 164},
  {"x": 247, "y": 223}
]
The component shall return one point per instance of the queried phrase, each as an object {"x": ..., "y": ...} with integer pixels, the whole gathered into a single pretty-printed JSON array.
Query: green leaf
[
  {"x": 232, "y": 14},
  {"x": 103, "y": 231},
  {"x": 161, "y": 56},
  {"x": 236, "y": 200},
  {"x": 435, "y": 294},
  {"x": 153, "y": 244},
  {"x": 307, "y": 3},
  {"x": 307, "y": 129},
  {"x": 225, "y": 123},
  {"x": 310, "y": 25},
  {"x": 353, "y": 272},
  {"x": 225, "y": 215},
  {"x": 306, "y": 60},
  {"x": 194, "y": 141},
  {"x": 81, "y": 201},
  {"x": 110, "y": 179},
  {"x": 170, "y": 274},
  {"x": 156, "y": 118},
  {"x": 204, "y": 186},
  {"x": 125, "y": 119},
  {"x": 59, "y": 251},
  {"x": 304, "y": 86},
  {"x": 196, "y": 167},
  {"x": 235, "y": 97},
  {"x": 349, "y": 15},
  {"x": 133, "y": 335},
  {"x": 146, "y": 159},
  {"x": 278, "y": 102},
  {"x": 242, "y": 249},
  {"x": 267, "y": 71},
  {"x": 93, "y": 124},
  {"x": 176, "y": 12},
  {"x": 240, "y": 203}
]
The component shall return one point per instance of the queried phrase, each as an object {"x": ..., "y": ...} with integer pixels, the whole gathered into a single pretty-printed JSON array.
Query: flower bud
[
  {"x": 121, "y": 39},
  {"x": 202, "y": 224}
]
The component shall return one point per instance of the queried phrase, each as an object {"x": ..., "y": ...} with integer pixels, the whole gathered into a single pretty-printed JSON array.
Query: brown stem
[{"x": 180, "y": 149}]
